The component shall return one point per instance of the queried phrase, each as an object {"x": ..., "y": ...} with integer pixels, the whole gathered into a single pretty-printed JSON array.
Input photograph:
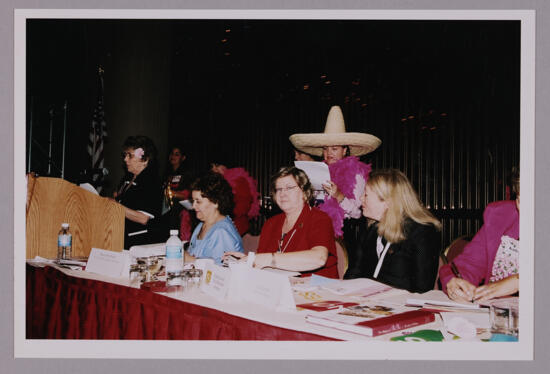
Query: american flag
[{"x": 98, "y": 132}]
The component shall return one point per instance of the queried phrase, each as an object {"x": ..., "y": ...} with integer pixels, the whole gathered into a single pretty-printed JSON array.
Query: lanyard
[
  {"x": 287, "y": 243},
  {"x": 381, "y": 251}
]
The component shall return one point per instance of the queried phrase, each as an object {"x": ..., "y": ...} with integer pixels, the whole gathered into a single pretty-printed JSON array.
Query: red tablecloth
[{"x": 64, "y": 307}]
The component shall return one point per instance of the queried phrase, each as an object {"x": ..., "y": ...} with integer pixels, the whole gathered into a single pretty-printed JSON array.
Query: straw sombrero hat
[{"x": 335, "y": 134}]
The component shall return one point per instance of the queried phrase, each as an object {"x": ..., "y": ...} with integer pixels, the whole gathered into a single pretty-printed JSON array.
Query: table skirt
[{"x": 60, "y": 306}]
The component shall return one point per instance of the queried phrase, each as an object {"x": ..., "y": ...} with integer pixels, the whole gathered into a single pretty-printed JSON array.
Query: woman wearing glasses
[
  {"x": 301, "y": 238},
  {"x": 140, "y": 190}
]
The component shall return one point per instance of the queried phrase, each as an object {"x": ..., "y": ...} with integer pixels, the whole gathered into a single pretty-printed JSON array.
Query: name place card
[
  {"x": 216, "y": 281},
  {"x": 262, "y": 287},
  {"x": 109, "y": 263}
]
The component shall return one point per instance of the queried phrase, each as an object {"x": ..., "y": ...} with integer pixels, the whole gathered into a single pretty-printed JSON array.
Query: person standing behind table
[
  {"x": 177, "y": 181},
  {"x": 245, "y": 192},
  {"x": 301, "y": 238},
  {"x": 302, "y": 156},
  {"x": 139, "y": 190},
  {"x": 216, "y": 233},
  {"x": 340, "y": 151},
  {"x": 491, "y": 258},
  {"x": 401, "y": 245}
]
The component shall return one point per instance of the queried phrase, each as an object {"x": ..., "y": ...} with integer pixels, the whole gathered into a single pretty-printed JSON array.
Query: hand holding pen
[{"x": 459, "y": 289}]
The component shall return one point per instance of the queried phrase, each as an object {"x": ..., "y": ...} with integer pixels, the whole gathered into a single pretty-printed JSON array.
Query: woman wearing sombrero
[{"x": 341, "y": 151}]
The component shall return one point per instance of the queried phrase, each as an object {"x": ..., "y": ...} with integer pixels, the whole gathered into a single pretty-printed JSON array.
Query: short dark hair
[
  {"x": 143, "y": 142},
  {"x": 299, "y": 176},
  {"x": 215, "y": 188}
]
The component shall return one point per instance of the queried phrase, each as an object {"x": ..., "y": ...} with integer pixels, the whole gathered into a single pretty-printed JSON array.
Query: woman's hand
[
  {"x": 228, "y": 257},
  {"x": 503, "y": 287},
  {"x": 332, "y": 189},
  {"x": 461, "y": 290}
]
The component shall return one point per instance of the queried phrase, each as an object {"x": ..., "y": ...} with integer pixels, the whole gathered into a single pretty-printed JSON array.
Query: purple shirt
[{"x": 475, "y": 263}]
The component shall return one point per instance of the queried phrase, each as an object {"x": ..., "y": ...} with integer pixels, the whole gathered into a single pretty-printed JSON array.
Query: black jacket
[{"x": 411, "y": 264}]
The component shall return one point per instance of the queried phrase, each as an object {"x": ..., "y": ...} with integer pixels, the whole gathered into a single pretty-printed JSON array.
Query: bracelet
[{"x": 273, "y": 262}]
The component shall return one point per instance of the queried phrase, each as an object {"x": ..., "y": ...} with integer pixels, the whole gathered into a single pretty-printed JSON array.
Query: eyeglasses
[
  {"x": 285, "y": 189},
  {"x": 124, "y": 154}
]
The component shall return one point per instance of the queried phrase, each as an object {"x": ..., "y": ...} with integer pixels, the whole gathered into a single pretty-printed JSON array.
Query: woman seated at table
[
  {"x": 491, "y": 258},
  {"x": 216, "y": 233},
  {"x": 301, "y": 238},
  {"x": 400, "y": 246},
  {"x": 140, "y": 190}
]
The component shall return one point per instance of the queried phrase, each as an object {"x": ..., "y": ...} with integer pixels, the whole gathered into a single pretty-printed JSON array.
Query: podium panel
[{"x": 94, "y": 221}]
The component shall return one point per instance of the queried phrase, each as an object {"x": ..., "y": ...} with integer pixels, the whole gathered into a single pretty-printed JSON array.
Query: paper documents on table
[
  {"x": 479, "y": 320},
  {"x": 360, "y": 286},
  {"x": 436, "y": 298},
  {"x": 371, "y": 319},
  {"x": 147, "y": 250},
  {"x": 316, "y": 171},
  {"x": 288, "y": 273}
]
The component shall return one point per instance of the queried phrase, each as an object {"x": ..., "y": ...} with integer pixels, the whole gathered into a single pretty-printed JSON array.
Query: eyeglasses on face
[
  {"x": 129, "y": 154},
  {"x": 285, "y": 189}
]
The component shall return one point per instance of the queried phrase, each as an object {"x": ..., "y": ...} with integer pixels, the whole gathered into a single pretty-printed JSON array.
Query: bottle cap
[
  {"x": 65, "y": 225},
  {"x": 174, "y": 232}
]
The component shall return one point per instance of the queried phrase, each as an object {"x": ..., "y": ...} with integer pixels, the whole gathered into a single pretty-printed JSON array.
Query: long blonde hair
[{"x": 392, "y": 186}]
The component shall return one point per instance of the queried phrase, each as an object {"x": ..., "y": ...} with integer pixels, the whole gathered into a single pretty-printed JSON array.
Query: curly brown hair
[{"x": 215, "y": 188}]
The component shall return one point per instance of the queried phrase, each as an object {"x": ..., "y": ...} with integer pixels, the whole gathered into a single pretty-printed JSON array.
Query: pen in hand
[
  {"x": 458, "y": 275},
  {"x": 455, "y": 270}
]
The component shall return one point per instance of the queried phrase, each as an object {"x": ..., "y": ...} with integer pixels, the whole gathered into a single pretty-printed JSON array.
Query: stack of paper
[{"x": 360, "y": 286}]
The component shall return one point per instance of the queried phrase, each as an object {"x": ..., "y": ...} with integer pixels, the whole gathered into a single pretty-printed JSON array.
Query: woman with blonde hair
[{"x": 401, "y": 244}]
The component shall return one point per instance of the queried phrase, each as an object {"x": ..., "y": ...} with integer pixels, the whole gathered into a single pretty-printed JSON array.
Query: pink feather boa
[
  {"x": 343, "y": 173},
  {"x": 231, "y": 176}
]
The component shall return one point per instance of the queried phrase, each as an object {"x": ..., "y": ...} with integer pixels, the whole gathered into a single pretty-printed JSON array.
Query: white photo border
[{"x": 355, "y": 350}]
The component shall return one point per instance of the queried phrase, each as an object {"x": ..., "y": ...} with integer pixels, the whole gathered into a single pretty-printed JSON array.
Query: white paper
[
  {"x": 480, "y": 320},
  {"x": 316, "y": 171},
  {"x": 216, "y": 281},
  {"x": 288, "y": 273},
  {"x": 88, "y": 187},
  {"x": 147, "y": 250},
  {"x": 237, "y": 284},
  {"x": 435, "y": 298},
  {"x": 268, "y": 289},
  {"x": 108, "y": 263},
  {"x": 186, "y": 204},
  {"x": 359, "y": 286},
  {"x": 461, "y": 327}
]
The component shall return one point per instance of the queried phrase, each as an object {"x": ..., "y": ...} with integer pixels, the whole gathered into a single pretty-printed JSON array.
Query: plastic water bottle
[
  {"x": 64, "y": 243},
  {"x": 174, "y": 259}
]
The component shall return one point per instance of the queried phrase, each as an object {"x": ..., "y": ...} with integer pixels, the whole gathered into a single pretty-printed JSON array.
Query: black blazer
[{"x": 411, "y": 264}]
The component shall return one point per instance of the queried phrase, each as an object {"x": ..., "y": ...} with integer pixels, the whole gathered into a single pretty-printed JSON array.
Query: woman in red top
[{"x": 301, "y": 238}]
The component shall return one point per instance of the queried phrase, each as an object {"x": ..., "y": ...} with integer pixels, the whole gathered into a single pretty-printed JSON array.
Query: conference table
[{"x": 73, "y": 304}]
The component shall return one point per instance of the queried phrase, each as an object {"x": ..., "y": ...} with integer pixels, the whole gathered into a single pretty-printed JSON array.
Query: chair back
[
  {"x": 342, "y": 257},
  {"x": 250, "y": 243},
  {"x": 456, "y": 247},
  {"x": 94, "y": 221},
  {"x": 450, "y": 253}
]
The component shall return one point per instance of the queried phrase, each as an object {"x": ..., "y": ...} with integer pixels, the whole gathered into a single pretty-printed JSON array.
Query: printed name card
[
  {"x": 108, "y": 263},
  {"x": 216, "y": 281},
  {"x": 261, "y": 287}
]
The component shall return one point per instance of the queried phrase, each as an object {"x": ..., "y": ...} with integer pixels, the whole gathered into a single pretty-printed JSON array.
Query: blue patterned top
[{"x": 222, "y": 237}]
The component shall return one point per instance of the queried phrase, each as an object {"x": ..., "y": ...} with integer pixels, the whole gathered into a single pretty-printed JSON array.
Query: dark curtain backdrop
[{"x": 442, "y": 96}]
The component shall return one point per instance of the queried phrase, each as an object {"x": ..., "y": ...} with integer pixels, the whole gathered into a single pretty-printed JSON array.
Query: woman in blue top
[{"x": 216, "y": 234}]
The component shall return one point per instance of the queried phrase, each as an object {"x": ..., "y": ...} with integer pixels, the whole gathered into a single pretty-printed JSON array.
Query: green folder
[{"x": 420, "y": 336}]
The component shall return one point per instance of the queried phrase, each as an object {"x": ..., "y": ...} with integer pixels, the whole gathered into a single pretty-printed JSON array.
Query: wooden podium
[{"x": 94, "y": 221}]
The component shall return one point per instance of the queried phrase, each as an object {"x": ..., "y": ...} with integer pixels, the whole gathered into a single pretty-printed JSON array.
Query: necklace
[{"x": 280, "y": 249}]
